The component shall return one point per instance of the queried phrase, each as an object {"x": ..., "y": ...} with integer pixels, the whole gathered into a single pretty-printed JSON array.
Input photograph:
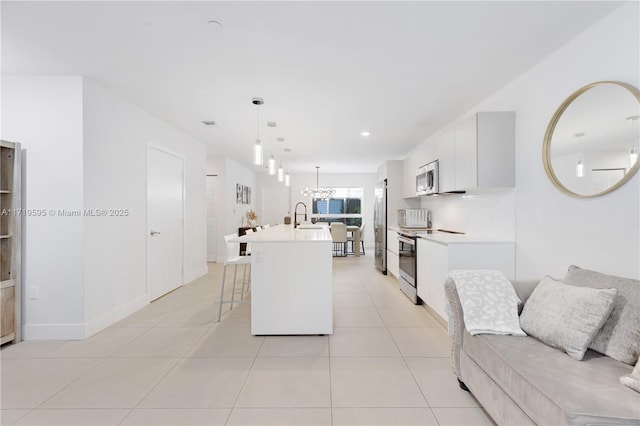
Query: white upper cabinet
[
  {"x": 485, "y": 151},
  {"x": 446, "y": 145}
]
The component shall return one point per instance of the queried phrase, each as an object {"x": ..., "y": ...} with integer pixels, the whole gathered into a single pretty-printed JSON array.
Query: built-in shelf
[{"x": 10, "y": 231}]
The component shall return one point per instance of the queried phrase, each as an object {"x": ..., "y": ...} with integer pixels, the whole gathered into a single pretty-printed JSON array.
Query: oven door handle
[{"x": 407, "y": 240}]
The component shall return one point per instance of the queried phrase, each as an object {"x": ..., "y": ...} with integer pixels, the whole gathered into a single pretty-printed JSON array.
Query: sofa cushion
[
  {"x": 566, "y": 317},
  {"x": 552, "y": 388},
  {"x": 619, "y": 337}
]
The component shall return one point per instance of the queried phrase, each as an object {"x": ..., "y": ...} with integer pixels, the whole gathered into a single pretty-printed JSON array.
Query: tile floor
[{"x": 387, "y": 363}]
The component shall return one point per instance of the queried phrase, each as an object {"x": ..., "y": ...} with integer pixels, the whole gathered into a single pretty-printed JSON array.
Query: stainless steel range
[{"x": 408, "y": 260}]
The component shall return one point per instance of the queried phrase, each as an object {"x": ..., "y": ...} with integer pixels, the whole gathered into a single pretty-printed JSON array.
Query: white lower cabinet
[
  {"x": 437, "y": 258},
  {"x": 393, "y": 262}
]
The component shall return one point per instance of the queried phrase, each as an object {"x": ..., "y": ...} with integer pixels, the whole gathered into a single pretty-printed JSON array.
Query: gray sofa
[{"x": 522, "y": 381}]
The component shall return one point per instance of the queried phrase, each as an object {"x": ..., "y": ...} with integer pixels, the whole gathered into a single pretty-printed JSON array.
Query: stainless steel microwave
[{"x": 427, "y": 179}]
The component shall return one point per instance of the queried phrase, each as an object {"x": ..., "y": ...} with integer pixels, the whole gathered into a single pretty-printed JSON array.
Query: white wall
[
  {"x": 553, "y": 230},
  {"x": 86, "y": 149},
  {"x": 116, "y": 139},
  {"x": 45, "y": 115},
  {"x": 231, "y": 214}
]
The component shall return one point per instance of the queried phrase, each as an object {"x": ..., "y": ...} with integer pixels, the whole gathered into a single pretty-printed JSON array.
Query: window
[{"x": 344, "y": 206}]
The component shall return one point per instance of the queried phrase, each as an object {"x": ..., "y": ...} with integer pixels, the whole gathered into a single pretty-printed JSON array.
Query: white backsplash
[{"x": 483, "y": 213}]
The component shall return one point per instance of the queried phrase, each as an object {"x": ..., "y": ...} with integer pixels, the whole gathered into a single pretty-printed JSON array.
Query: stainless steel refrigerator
[{"x": 380, "y": 226}]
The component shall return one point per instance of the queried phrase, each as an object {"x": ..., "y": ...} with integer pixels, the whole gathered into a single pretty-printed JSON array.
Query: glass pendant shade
[
  {"x": 257, "y": 153},
  {"x": 280, "y": 174},
  {"x": 633, "y": 156},
  {"x": 580, "y": 168},
  {"x": 272, "y": 165},
  {"x": 287, "y": 179}
]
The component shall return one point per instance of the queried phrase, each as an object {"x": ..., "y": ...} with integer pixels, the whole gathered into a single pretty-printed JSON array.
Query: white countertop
[
  {"x": 448, "y": 238},
  {"x": 286, "y": 233}
]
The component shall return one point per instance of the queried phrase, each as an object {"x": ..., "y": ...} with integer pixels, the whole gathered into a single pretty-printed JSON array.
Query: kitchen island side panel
[{"x": 291, "y": 289}]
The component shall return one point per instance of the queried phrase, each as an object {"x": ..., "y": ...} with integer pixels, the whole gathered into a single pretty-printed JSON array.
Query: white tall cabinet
[{"x": 439, "y": 254}]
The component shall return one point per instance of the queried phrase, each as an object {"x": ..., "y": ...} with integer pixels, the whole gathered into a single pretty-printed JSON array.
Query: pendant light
[
  {"x": 287, "y": 179},
  {"x": 580, "y": 168},
  {"x": 633, "y": 152},
  {"x": 280, "y": 173},
  {"x": 318, "y": 192},
  {"x": 272, "y": 159},
  {"x": 257, "y": 146}
]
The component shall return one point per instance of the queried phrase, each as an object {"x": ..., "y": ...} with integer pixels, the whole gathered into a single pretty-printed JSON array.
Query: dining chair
[
  {"x": 232, "y": 257},
  {"x": 339, "y": 237},
  {"x": 352, "y": 238}
]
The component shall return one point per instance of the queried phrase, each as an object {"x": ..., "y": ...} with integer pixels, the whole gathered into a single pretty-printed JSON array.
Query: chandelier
[{"x": 318, "y": 192}]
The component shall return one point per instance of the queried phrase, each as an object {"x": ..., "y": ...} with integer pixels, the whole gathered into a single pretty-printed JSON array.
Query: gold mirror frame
[{"x": 546, "y": 147}]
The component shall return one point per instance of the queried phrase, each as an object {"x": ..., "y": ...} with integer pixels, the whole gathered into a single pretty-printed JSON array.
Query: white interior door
[
  {"x": 165, "y": 195},
  {"x": 212, "y": 221}
]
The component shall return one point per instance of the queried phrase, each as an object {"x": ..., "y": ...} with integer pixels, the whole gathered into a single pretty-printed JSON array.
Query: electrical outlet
[{"x": 34, "y": 292}]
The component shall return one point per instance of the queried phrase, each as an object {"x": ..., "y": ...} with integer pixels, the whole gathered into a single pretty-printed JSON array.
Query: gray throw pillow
[
  {"x": 565, "y": 316},
  {"x": 619, "y": 337}
]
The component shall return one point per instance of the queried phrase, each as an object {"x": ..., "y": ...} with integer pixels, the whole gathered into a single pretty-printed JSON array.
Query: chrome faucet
[{"x": 295, "y": 214}]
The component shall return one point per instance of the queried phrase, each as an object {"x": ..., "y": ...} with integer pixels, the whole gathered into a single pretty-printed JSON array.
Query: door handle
[{"x": 154, "y": 233}]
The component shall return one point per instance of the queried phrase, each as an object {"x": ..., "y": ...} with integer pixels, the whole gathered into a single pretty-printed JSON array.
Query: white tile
[
  {"x": 30, "y": 349},
  {"x": 177, "y": 416},
  {"x": 287, "y": 382},
  {"x": 348, "y": 287},
  {"x": 295, "y": 346},
  {"x": 390, "y": 300},
  {"x": 162, "y": 342},
  {"x": 100, "y": 345},
  {"x": 280, "y": 416},
  {"x": 462, "y": 417},
  {"x": 8, "y": 417},
  {"x": 81, "y": 417},
  {"x": 227, "y": 342},
  {"x": 373, "y": 382},
  {"x": 422, "y": 342},
  {"x": 33, "y": 381},
  {"x": 383, "y": 416},
  {"x": 362, "y": 342},
  {"x": 193, "y": 316},
  {"x": 438, "y": 383},
  {"x": 200, "y": 383},
  {"x": 407, "y": 316},
  {"x": 351, "y": 300},
  {"x": 356, "y": 317},
  {"x": 116, "y": 383}
]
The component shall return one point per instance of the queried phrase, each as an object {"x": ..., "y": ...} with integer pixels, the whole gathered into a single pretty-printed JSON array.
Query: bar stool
[{"x": 232, "y": 257}]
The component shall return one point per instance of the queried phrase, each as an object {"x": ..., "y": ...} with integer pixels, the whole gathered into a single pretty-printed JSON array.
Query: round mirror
[{"x": 591, "y": 145}]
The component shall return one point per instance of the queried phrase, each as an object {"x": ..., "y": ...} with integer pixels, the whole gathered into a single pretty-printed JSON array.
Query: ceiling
[{"x": 326, "y": 70}]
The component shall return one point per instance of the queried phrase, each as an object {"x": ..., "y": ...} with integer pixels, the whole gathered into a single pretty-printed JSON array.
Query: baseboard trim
[
  {"x": 53, "y": 331},
  {"x": 111, "y": 317},
  {"x": 195, "y": 274}
]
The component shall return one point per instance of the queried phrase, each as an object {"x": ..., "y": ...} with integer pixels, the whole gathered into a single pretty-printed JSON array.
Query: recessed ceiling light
[
  {"x": 287, "y": 150},
  {"x": 364, "y": 133},
  {"x": 272, "y": 123},
  {"x": 208, "y": 122},
  {"x": 280, "y": 139},
  {"x": 579, "y": 135}
]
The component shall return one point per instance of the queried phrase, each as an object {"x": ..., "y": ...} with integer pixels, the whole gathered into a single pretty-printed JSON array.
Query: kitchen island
[{"x": 291, "y": 280}]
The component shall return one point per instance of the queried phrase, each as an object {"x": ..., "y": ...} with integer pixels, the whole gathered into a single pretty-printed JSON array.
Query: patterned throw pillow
[{"x": 566, "y": 317}]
